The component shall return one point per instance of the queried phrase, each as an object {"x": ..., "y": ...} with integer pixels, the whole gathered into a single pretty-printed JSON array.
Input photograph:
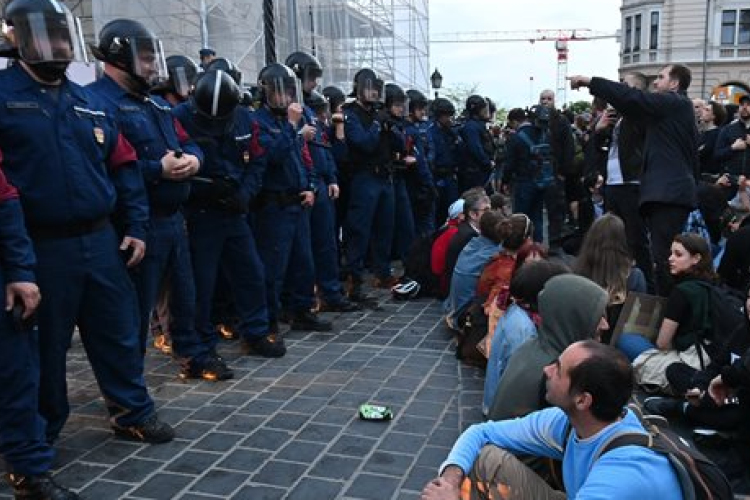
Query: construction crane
[{"x": 561, "y": 37}]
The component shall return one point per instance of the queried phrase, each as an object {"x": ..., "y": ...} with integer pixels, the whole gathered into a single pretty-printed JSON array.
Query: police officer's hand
[
  {"x": 308, "y": 132},
  {"x": 308, "y": 198},
  {"x": 578, "y": 81},
  {"x": 136, "y": 247},
  {"x": 409, "y": 160},
  {"x": 175, "y": 168},
  {"x": 294, "y": 113},
  {"x": 26, "y": 292},
  {"x": 333, "y": 191}
]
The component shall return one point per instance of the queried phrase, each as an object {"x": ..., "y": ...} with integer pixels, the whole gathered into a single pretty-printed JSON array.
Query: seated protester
[
  {"x": 734, "y": 269},
  {"x": 476, "y": 203},
  {"x": 520, "y": 321},
  {"x": 572, "y": 308},
  {"x": 684, "y": 313},
  {"x": 439, "y": 249},
  {"x": 588, "y": 385},
  {"x": 703, "y": 394},
  {"x": 605, "y": 259},
  {"x": 471, "y": 262}
]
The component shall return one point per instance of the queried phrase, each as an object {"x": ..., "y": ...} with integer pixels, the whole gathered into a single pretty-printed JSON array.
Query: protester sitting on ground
[
  {"x": 529, "y": 252},
  {"x": 471, "y": 262},
  {"x": 572, "y": 308},
  {"x": 734, "y": 268},
  {"x": 476, "y": 203},
  {"x": 588, "y": 385},
  {"x": 439, "y": 251},
  {"x": 605, "y": 259},
  {"x": 684, "y": 314},
  {"x": 701, "y": 405},
  {"x": 520, "y": 321}
]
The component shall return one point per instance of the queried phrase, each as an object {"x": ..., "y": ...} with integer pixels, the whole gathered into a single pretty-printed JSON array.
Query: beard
[{"x": 49, "y": 72}]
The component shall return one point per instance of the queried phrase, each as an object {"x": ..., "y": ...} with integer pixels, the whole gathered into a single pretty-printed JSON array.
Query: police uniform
[
  {"x": 149, "y": 126},
  {"x": 420, "y": 183},
  {"x": 71, "y": 166},
  {"x": 446, "y": 144},
  {"x": 479, "y": 150}
]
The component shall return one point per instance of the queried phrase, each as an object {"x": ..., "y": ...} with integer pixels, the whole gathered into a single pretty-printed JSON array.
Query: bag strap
[{"x": 525, "y": 138}]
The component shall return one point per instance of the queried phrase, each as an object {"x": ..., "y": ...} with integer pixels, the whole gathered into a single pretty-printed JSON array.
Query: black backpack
[
  {"x": 700, "y": 478},
  {"x": 541, "y": 162},
  {"x": 724, "y": 330}
]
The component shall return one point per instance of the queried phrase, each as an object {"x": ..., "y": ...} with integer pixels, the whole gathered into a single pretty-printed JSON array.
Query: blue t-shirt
[{"x": 626, "y": 473}]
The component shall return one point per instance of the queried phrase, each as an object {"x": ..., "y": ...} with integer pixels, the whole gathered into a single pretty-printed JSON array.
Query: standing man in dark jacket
[
  {"x": 479, "y": 147},
  {"x": 732, "y": 144},
  {"x": 670, "y": 154}
]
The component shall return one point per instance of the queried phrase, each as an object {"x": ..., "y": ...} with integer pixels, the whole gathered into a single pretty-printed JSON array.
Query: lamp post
[{"x": 436, "y": 80}]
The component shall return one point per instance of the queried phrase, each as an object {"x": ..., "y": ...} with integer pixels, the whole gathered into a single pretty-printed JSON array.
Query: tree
[
  {"x": 579, "y": 107},
  {"x": 458, "y": 93}
]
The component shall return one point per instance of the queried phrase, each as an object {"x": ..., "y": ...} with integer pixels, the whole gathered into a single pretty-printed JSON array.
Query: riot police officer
[
  {"x": 447, "y": 144},
  {"x": 182, "y": 73},
  {"x": 70, "y": 164},
  {"x": 420, "y": 183},
  {"x": 479, "y": 149},
  {"x": 167, "y": 158}
]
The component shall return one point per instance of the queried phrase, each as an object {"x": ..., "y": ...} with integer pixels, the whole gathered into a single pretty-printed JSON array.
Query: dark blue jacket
[
  {"x": 17, "y": 258},
  {"x": 418, "y": 145},
  {"x": 277, "y": 151},
  {"x": 478, "y": 146},
  {"x": 731, "y": 161},
  {"x": 518, "y": 155},
  {"x": 447, "y": 145},
  {"x": 148, "y": 124},
  {"x": 323, "y": 164},
  {"x": 670, "y": 150},
  {"x": 371, "y": 146},
  {"x": 227, "y": 156},
  {"x": 66, "y": 156}
]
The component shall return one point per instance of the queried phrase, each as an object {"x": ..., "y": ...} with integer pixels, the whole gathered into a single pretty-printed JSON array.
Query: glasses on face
[{"x": 482, "y": 210}]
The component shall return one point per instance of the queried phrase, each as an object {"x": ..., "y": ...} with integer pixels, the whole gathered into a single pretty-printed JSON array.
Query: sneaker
[
  {"x": 163, "y": 343},
  {"x": 38, "y": 488},
  {"x": 309, "y": 321},
  {"x": 151, "y": 430},
  {"x": 344, "y": 305},
  {"x": 267, "y": 346},
  {"x": 666, "y": 407},
  {"x": 213, "y": 368}
]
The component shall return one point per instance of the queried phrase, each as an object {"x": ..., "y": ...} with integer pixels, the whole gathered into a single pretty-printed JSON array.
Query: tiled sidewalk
[{"x": 287, "y": 428}]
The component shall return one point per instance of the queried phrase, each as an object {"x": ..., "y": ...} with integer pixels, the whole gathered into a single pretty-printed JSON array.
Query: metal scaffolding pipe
[{"x": 269, "y": 31}]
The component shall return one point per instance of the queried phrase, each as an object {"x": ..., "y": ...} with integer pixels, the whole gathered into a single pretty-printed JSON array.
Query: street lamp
[{"x": 436, "y": 80}]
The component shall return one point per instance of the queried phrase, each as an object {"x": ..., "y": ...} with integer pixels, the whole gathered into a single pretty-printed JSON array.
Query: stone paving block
[
  {"x": 244, "y": 460},
  {"x": 372, "y": 487},
  {"x": 402, "y": 442},
  {"x": 302, "y": 452},
  {"x": 259, "y": 492},
  {"x": 77, "y": 474},
  {"x": 306, "y": 405},
  {"x": 390, "y": 464},
  {"x": 266, "y": 439},
  {"x": 334, "y": 415},
  {"x": 317, "y": 489},
  {"x": 193, "y": 462},
  {"x": 418, "y": 477},
  {"x": 352, "y": 446},
  {"x": 86, "y": 439},
  {"x": 287, "y": 421},
  {"x": 218, "y": 442},
  {"x": 110, "y": 453},
  {"x": 262, "y": 407},
  {"x": 367, "y": 428},
  {"x": 219, "y": 482},
  {"x": 335, "y": 467},
  {"x": 192, "y": 430},
  {"x": 105, "y": 490},
  {"x": 212, "y": 413},
  {"x": 394, "y": 397},
  {"x": 162, "y": 486},
  {"x": 239, "y": 423},
  {"x": 414, "y": 425},
  {"x": 318, "y": 433},
  {"x": 133, "y": 471},
  {"x": 432, "y": 456},
  {"x": 278, "y": 473},
  {"x": 165, "y": 451},
  {"x": 234, "y": 399},
  {"x": 279, "y": 393}
]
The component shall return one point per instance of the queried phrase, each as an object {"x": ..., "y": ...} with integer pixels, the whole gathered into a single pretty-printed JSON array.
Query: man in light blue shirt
[{"x": 588, "y": 385}]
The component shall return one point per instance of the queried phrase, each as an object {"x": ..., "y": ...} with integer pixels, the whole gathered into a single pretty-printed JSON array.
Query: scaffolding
[{"x": 389, "y": 36}]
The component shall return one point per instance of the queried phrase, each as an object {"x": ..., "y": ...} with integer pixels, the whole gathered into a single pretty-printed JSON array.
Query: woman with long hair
[{"x": 685, "y": 314}]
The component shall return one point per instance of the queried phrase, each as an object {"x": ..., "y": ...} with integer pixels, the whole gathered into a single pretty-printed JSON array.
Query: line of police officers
[{"x": 150, "y": 180}]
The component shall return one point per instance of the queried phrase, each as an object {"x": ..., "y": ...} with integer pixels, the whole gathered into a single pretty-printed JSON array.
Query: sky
[{"x": 503, "y": 70}]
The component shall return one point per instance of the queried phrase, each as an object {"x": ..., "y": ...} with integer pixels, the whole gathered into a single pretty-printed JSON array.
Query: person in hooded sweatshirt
[{"x": 564, "y": 321}]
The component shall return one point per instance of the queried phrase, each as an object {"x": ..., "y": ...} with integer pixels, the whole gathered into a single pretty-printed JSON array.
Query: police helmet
[
  {"x": 228, "y": 67},
  {"x": 131, "y": 47},
  {"x": 45, "y": 31},
  {"x": 475, "y": 104},
  {"x": 417, "y": 100},
  {"x": 306, "y": 66},
  {"x": 394, "y": 95},
  {"x": 335, "y": 96},
  {"x": 279, "y": 87},
  {"x": 443, "y": 107},
  {"x": 368, "y": 88},
  {"x": 215, "y": 98},
  {"x": 406, "y": 291},
  {"x": 317, "y": 102},
  {"x": 183, "y": 73}
]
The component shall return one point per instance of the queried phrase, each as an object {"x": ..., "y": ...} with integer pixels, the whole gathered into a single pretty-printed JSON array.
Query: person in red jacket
[{"x": 440, "y": 245}]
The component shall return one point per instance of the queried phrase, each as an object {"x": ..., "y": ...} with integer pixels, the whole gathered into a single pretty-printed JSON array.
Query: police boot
[
  {"x": 38, "y": 488},
  {"x": 355, "y": 292},
  {"x": 309, "y": 321}
]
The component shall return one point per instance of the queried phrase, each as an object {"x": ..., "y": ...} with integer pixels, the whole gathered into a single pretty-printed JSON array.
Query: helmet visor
[
  {"x": 49, "y": 37},
  {"x": 281, "y": 92},
  {"x": 148, "y": 60},
  {"x": 371, "y": 90},
  {"x": 181, "y": 81}
]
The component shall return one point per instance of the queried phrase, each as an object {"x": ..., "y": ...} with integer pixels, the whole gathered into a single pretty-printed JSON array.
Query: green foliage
[
  {"x": 458, "y": 93},
  {"x": 579, "y": 107}
]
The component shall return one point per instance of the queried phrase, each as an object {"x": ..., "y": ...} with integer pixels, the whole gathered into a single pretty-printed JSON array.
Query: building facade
[{"x": 711, "y": 37}]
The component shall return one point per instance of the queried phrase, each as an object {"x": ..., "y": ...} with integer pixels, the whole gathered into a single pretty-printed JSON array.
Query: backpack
[
  {"x": 699, "y": 477},
  {"x": 696, "y": 224},
  {"x": 540, "y": 158},
  {"x": 473, "y": 331},
  {"x": 724, "y": 329}
]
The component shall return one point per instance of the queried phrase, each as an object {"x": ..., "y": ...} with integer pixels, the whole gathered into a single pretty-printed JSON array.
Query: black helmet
[
  {"x": 368, "y": 88},
  {"x": 317, "y": 102},
  {"x": 394, "y": 95},
  {"x": 417, "y": 100},
  {"x": 36, "y": 23},
  {"x": 305, "y": 66},
  {"x": 475, "y": 104},
  {"x": 335, "y": 96},
  {"x": 131, "y": 47},
  {"x": 279, "y": 87},
  {"x": 443, "y": 107},
  {"x": 215, "y": 98},
  {"x": 491, "y": 107},
  {"x": 182, "y": 75},
  {"x": 540, "y": 115},
  {"x": 228, "y": 67}
]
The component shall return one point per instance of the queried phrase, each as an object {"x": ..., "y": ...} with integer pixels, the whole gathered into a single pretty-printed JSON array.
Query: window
[
  {"x": 654, "y": 34},
  {"x": 637, "y": 34},
  {"x": 628, "y": 33},
  {"x": 735, "y": 27}
]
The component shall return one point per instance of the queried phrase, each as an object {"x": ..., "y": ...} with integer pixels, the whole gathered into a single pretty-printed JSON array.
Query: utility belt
[
  {"x": 384, "y": 171},
  {"x": 69, "y": 230},
  {"x": 219, "y": 193},
  {"x": 279, "y": 198}
]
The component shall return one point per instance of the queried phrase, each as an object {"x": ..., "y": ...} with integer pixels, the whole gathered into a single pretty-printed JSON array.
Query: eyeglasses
[{"x": 482, "y": 210}]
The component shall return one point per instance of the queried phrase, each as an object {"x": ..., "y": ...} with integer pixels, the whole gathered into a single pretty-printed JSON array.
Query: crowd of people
[{"x": 166, "y": 198}]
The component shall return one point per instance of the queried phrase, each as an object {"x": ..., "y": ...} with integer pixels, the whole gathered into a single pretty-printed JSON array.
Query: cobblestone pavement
[{"x": 287, "y": 428}]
